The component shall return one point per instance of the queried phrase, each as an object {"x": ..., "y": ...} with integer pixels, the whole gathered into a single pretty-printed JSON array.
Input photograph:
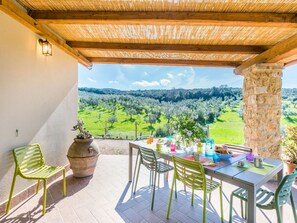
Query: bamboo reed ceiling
[
  {"x": 233, "y": 33},
  {"x": 174, "y": 34},
  {"x": 276, "y": 6}
]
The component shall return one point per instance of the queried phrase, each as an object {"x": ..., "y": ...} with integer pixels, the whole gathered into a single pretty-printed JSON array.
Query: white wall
[{"x": 38, "y": 96}]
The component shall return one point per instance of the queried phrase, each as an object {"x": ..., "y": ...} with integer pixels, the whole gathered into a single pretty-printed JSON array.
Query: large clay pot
[
  {"x": 289, "y": 167},
  {"x": 83, "y": 155}
]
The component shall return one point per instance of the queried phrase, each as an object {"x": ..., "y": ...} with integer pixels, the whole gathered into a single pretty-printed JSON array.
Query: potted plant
[
  {"x": 188, "y": 129},
  {"x": 83, "y": 152},
  {"x": 289, "y": 151}
]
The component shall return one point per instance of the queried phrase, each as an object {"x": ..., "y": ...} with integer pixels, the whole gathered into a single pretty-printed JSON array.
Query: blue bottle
[{"x": 209, "y": 147}]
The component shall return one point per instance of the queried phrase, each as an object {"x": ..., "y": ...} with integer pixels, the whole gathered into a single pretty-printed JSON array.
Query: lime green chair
[
  {"x": 29, "y": 164},
  {"x": 149, "y": 160},
  {"x": 191, "y": 173},
  {"x": 268, "y": 200}
]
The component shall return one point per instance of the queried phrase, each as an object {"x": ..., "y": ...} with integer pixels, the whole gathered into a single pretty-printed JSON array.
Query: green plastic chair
[
  {"x": 149, "y": 160},
  {"x": 268, "y": 200},
  {"x": 191, "y": 173},
  {"x": 29, "y": 164}
]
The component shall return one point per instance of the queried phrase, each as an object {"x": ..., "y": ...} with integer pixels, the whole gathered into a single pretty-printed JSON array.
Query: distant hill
[{"x": 175, "y": 95}]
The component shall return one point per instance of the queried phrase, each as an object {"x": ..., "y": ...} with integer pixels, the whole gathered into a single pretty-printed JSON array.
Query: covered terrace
[{"x": 39, "y": 93}]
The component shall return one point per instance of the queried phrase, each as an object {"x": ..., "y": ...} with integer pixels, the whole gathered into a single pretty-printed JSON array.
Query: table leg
[
  {"x": 251, "y": 215},
  {"x": 130, "y": 164},
  {"x": 279, "y": 179}
]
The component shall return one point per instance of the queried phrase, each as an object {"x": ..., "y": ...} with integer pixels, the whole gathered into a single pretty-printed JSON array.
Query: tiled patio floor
[{"x": 106, "y": 197}]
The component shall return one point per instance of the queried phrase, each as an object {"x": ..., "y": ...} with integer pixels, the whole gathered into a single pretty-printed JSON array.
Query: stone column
[{"x": 262, "y": 108}]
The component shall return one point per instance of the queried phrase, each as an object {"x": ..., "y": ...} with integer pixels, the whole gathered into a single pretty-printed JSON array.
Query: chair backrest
[
  {"x": 237, "y": 148},
  {"x": 148, "y": 158},
  {"x": 283, "y": 191},
  {"x": 28, "y": 158},
  {"x": 191, "y": 173}
]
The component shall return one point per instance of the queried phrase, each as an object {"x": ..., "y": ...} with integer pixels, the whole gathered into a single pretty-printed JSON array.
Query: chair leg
[
  {"x": 137, "y": 177},
  {"x": 44, "y": 197},
  {"x": 171, "y": 193},
  {"x": 37, "y": 187},
  {"x": 64, "y": 183},
  {"x": 241, "y": 207},
  {"x": 221, "y": 203},
  {"x": 209, "y": 198},
  {"x": 11, "y": 192},
  {"x": 231, "y": 207},
  {"x": 204, "y": 206},
  {"x": 154, "y": 188},
  {"x": 192, "y": 200},
  {"x": 175, "y": 189},
  {"x": 246, "y": 209},
  {"x": 278, "y": 214},
  {"x": 293, "y": 206},
  {"x": 158, "y": 180}
]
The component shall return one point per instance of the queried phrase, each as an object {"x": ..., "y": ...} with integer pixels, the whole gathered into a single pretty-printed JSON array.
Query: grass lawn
[
  {"x": 122, "y": 128},
  {"x": 227, "y": 129}
]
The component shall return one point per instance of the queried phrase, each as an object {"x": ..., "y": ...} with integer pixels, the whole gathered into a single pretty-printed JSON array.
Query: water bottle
[{"x": 209, "y": 147}]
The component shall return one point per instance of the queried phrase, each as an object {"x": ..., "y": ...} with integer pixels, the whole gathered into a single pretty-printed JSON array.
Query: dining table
[{"x": 250, "y": 178}]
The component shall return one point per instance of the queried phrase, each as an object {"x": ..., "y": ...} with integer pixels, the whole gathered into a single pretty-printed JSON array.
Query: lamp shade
[{"x": 46, "y": 47}]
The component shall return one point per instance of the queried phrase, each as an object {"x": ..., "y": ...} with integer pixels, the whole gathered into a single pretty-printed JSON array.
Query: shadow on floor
[
  {"x": 54, "y": 196},
  {"x": 135, "y": 208}
]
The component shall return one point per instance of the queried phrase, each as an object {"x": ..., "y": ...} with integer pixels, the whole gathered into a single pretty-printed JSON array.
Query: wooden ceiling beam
[
  {"x": 174, "y": 48},
  {"x": 291, "y": 63},
  {"x": 21, "y": 15},
  {"x": 163, "y": 62},
  {"x": 276, "y": 53},
  {"x": 153, "y": 17}
]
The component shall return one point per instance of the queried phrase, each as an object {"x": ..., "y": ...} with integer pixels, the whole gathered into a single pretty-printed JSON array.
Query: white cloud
[
  {"x": 165, "y": 82},
  {"x": 170, "y": 75},
  {"x": 91, "y": 80},
  {"x": 113, "y": 82},
  {"x": 181, "y": 75},
  {"x": 144, "y": 83},
  {"x": 127, "y": 65},
  {"x": 145, "y": 73}
]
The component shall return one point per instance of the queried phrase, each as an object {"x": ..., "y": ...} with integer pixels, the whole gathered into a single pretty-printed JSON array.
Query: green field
[
  {"x": 122, "y": 128},
  {"x": 97, "y": 110},
  {"x": 228, "y": 128}
]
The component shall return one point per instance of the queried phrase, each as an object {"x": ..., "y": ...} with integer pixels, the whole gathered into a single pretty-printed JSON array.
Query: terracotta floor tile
[{"x": 106, "y": 197}]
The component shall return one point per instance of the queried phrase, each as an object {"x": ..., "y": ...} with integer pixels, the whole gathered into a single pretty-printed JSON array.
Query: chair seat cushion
[{"x": 42, "y": 172}]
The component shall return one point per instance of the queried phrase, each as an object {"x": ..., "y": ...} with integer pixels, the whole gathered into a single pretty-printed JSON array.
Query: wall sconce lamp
[{"x": 46, "y": 47}]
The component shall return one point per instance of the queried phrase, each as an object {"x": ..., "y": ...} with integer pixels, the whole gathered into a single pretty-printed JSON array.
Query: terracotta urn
[
  {"x": 83, "y": 155},
  {"x": 289, "y": 167}
]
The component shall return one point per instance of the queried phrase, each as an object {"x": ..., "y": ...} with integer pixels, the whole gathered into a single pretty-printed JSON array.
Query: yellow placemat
[{"x": 263, "y": 171}]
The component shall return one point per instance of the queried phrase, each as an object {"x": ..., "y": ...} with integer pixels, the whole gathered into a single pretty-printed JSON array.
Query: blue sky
[{"x": 133, "y": 77}]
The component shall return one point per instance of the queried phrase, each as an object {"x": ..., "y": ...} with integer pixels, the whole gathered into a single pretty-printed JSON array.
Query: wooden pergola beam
[
  {"x": 152, "y": 17},
  {"x": 272, "y": 55},
  {"x": 174, "y": 48},
  {"x": 163, "y": 62},
  {"x": 20, "y": 15}
]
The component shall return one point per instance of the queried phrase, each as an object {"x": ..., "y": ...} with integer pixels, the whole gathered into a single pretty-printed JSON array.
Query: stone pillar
[{"x": 262, "y": 108}]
